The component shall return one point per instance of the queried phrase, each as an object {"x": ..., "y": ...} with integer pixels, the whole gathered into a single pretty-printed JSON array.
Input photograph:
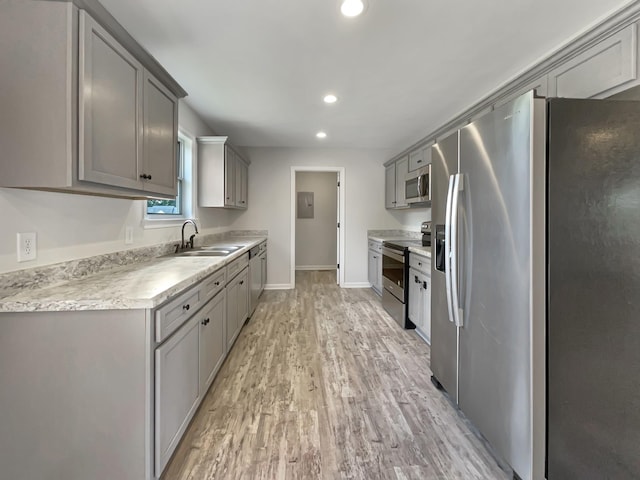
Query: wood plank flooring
[{"x": 323, "y": 384}]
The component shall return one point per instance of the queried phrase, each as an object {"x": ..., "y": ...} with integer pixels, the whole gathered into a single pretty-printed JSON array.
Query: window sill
[{"x": 151, "y": 223}]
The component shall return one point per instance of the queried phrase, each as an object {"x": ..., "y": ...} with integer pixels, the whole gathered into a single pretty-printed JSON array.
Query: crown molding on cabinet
[
  {"x": 107, "y": 21},
  {"x": 581, "y": 43}
]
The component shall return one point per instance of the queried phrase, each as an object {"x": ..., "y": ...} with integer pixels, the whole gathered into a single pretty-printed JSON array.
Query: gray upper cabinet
[
  {"x": 390, "y": 186},
  {"x": 160, "y": 137},
  {"x": 420, "y": 157},
  {"x": 608, "y": 67},
  {"x": 241, "y": 175},
  {"x": 91, "y": 94},
  {"x": 394, "y": 183},
  {"x": 222, "y": 174},
  {"x": 402, "y": 168},
  {"x": 110, "y": 109},
  {"x": 229, "y": 177}
]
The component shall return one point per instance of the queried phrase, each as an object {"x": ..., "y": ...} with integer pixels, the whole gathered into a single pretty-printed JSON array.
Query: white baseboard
[
  {"x": 278, "y": 286},
  {"x": 315, "y": 267},
  {"x": 356, "y": 285}
]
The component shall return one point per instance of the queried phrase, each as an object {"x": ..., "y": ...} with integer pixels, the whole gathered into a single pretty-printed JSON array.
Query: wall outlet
[
  {"x": 27, "y": 248},
  {"x": 128, "y": 235}
]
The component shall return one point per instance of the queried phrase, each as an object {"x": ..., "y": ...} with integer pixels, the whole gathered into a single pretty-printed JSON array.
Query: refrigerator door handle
[
  {"x": 455, "y": 294},
  {"x": 447, "y": 247}
]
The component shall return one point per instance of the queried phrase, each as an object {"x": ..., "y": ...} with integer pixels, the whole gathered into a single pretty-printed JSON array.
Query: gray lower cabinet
[
  {"x": 105, "y": 124},
  {"x": 263, "y": 258},
  {"x": 237, "y": 305},
  {"x": 419, "y": 309},
  {"x": 212, "y": 339},
  {"x": 177, "y": 389},
  {"x": 375, "y": 266},
  {"x": 375, "y": 271}
]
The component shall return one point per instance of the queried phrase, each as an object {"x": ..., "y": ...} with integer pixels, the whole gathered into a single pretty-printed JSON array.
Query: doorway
[{"x": 317, "y": 220}]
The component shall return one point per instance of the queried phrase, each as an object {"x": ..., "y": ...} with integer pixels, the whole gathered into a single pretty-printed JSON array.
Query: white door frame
[{"x": 341, "y": 190}]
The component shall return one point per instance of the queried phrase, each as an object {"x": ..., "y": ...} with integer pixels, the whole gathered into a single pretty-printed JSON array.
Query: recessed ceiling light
[
  {"x": 321, "y": 135},
  {"x": 330, "y": 98},
  {"x": 352, "y": 8}
]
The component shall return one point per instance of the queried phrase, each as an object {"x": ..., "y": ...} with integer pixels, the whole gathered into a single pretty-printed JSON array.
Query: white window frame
[{"x": 187, "y": 189}]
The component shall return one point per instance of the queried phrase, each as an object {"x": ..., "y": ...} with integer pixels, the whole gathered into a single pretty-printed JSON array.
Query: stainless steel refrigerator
[
  {"x": 491, "y": 182},
  {"x": 594, "y": 290}
]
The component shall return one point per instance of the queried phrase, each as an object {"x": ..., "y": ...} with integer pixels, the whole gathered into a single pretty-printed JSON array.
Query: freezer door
[
  {"x": 444, "y": 333},
  {"x": 594, "y": 290},
  {"x": 495, "y": 367}
]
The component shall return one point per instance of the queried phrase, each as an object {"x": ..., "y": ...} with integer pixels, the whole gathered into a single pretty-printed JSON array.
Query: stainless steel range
[{"x": 395, "y": 272}]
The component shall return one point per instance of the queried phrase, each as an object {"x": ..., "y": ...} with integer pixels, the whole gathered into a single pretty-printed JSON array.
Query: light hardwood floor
[{"x": 323, "y": 384}]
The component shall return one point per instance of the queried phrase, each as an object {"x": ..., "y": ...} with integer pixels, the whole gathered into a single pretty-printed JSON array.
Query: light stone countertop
[
  {"x": 135, "y": 286},
  {"x": 424, "y": 251},
  {"x": 391, "y": 238}
]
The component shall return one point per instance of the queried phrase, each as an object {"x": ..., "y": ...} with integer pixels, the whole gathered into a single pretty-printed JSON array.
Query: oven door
[{"x": 393, "y": 272}]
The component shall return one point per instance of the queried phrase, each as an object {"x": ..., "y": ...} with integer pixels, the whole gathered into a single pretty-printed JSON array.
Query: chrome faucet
[{"x": 183, "y": 245}]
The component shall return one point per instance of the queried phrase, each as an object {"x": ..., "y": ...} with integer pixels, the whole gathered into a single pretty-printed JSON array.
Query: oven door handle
[
  {"x": 447, "y": 248},
  {"x": 392, "y": 254}
]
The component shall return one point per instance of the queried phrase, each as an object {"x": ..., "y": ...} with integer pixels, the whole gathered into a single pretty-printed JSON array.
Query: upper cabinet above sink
[{"x": 91, "y": 111}]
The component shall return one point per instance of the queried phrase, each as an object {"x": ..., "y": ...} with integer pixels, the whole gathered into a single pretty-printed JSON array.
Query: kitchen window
[{"x": 159, "y": 213}]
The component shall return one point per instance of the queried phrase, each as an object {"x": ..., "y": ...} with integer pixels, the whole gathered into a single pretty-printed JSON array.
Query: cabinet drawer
[
  {"x": 213, "y": 284},
  {"x": 420, "y": 263},
  {"x": 375, "y": 246},
  {"x": 176, "y": 312},
  {"x": 237, "y": 265}
]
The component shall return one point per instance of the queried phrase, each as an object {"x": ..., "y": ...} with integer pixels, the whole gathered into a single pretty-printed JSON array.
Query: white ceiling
[{"x": 257, "y": 69}]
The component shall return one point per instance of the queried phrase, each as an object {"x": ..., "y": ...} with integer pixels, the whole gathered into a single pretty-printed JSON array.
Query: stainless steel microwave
[{"x": 417, "y": 186}]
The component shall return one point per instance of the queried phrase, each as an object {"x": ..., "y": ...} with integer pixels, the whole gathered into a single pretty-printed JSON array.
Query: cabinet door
[
  {"x": 243, "y": 298},
  {"x": 426, "y": 307},
  {"x": 379, "y": 273},
  {"x": 229, "y": 177},
  {"x": 416, "y": 159},
  {"x": 177, "y": 390},
  {"x": 402, "y": 168},
  {"x": 232, "y": 313},
  {"x": 241, "y": 184},
  {"x": 160, "y": 138},
  {"x": 606, "y": 68},
  {"x": 415, "y": 297},
  {"x": 372, "y": 269},
  {"x": 390, "y": 186},
  {"x": 263, "y": 257},
  {"x": 212, "y": 340},
  {"x": 110, "y": 109}
]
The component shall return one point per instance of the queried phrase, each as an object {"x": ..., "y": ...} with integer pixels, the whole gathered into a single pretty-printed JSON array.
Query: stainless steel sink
[
  {"x": 230, "y": 248},
  {"x": 202, "y": 253},
  {"x": 211, "y": 251}
]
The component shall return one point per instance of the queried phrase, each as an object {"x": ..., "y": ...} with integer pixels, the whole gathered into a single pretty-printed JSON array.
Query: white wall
[
  {"x": 76, "y": 226},
  {"x": 316, "y": 241},
  {"x": 270, "y": 208}
]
